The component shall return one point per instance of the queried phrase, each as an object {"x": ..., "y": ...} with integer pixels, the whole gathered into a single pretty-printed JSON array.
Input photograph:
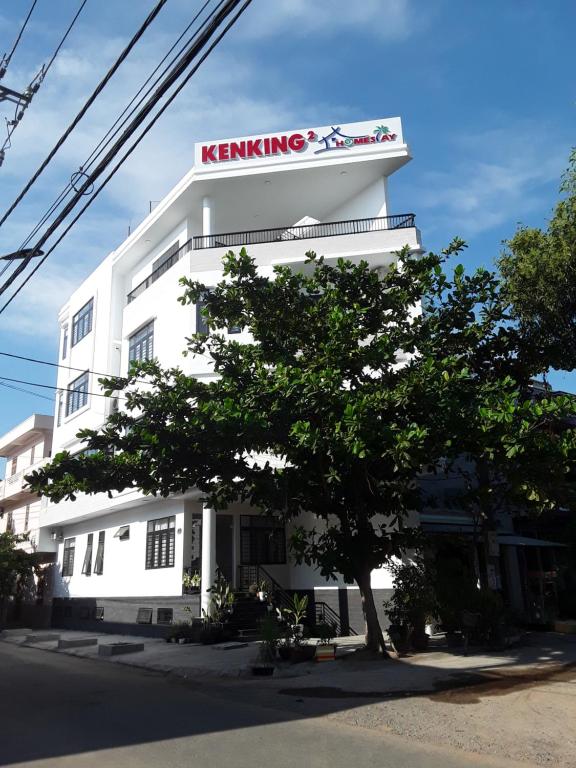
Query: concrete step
[{"x": 77, "y": 642}]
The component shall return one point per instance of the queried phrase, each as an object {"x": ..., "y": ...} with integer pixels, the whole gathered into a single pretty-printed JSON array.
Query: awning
[
  {"x": 525, "y": 541},
  {"x": 123, "y": 532}
]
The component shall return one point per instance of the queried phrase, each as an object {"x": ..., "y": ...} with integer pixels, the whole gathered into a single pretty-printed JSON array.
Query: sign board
[{"x": 329, "y": 141}]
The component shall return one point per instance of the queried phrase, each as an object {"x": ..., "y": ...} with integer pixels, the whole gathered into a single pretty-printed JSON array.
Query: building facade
[{"x": 280, "y": 195}]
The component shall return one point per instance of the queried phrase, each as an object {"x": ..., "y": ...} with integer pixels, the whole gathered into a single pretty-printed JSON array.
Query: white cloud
[
  {"x": 497, "y": 176},
  {"x": 386, "y": 19}
]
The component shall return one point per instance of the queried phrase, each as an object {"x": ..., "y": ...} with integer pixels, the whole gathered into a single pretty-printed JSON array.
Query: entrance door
[{"x": 225, "y": 546}]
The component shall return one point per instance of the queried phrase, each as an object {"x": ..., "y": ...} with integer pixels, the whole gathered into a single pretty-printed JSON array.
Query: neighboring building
[
  {"x": 280, "y": 195},
  {"x": 26, "y": 447}
]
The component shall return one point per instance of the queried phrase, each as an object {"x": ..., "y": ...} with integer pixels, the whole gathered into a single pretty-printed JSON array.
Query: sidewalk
[{"x": 540, "y": 655}]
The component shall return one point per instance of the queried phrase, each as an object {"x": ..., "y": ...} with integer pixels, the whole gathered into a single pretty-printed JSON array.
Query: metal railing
[
  {"x": 305, "y": 231},
  {"x": 164, "y": 267},
  {"x": 324, "y": 614},
  {"x": 256, "y": 574}
]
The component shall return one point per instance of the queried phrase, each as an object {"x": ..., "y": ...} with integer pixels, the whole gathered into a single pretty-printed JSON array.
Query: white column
[
  {"x": 207, "y": 218},
  {"x": 208, "y": 554}
]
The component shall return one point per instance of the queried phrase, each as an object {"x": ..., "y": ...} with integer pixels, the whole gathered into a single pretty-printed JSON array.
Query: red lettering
[
  {"x": 237, "y": 149},
  {"x": 253, "y": 148},
  {"x": 297, "y": 142},
  {"x": 278, "y": 145},
  {"x": 223, "y": 152},
  {"x": 208, "y": 155}
]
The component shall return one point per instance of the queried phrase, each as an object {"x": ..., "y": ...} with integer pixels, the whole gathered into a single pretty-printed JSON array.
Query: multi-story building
[
  {"x": 26, "y": 447},
  {"x": 279, "y": 195}
]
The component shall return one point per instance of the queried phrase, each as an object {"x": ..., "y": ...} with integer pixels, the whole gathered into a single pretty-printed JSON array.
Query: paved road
[{"x": 61, "y": 711}]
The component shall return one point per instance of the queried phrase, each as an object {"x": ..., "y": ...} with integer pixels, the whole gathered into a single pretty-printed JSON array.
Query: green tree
[
  {"x": 16, "y": 567},
  {"x": 539, "y": 271},
  {"x": 350, "y": 387}
]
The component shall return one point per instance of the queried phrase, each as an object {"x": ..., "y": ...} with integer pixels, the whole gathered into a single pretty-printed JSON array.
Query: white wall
[
  {"x": 124, "y": 561},
  {"x": 372, "y": 201}
]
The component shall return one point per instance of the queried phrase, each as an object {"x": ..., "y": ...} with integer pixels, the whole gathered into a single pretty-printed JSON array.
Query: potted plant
[
  {"x": 269, "y": 637},
  {"x": 325, "y": 650},
  {"x": 412, "y": 605},
  {"x": 263, "y": 591},
  {"x": 253, "y": 590},
  {"x": 191, "y": 583},
  {"x": 296, "y": 613}
]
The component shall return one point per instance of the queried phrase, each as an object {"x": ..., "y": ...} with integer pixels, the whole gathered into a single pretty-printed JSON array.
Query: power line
[
  {"x": 68, "y": 367},
  {"x": 58, "y": 389},
  {"x": 63, "y": 40},
  {"x": 211, "y": 27},
  {"x": 99, "y": 88},
  {"x": 6, "y": 58},
  {"x": 27, "y": 391}
]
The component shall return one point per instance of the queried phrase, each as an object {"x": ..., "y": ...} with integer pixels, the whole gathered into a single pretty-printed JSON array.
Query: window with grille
[
  {"x": 141, "y": 343},
  {"x": 10, "y": 522},
  {"x": 14, "y": 466},
  {"x": 27, "y": 517},
  {"x": 77, "y": 395},
  {"x": 99, "y": 561},
  {"x": 262, "y": 540},
  {"x": 82, "y": 322},
  {"x": 87, "y": 564},
  {"x": 68, "y": 557},
  {"x": 201, "y": 326},
  {"x": 160, "y": 543}
]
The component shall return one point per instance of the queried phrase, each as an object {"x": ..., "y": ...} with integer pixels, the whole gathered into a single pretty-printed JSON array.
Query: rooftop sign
[{"x": 312, "y": 143}]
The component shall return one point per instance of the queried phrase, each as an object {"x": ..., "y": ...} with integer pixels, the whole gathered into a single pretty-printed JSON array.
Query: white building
[
  {"x": 280, "y": 195},
  {"x": 26, "y": 447}
]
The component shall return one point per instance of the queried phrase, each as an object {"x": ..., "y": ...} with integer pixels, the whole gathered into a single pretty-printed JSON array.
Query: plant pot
[
  {"x": 263, "y": 670},
  {"x": 302, "y": 653},
  {"x": 298, "y": 630},
  {"x": 419, "y": 640},
  {"x": 284, "y": 652},
  {"x": 398, "y": 634},
  {"x": 262, "y": 596},
  {"x": 325, "y": 652}
]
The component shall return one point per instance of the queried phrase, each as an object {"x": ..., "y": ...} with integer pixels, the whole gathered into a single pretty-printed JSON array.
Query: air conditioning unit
[{"x": 56, "y": 534}]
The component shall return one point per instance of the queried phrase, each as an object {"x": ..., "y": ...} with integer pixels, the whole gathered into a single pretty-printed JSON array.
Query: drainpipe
[{"x": 208, "y": 575}]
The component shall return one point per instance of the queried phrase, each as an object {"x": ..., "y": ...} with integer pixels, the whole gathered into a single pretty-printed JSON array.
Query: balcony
[
  {"x": 305, "y": 232},
  {"x": 289, "y": 238},
  {"x": 14, "y": 488},
  {"x": 164, "y": 267}
]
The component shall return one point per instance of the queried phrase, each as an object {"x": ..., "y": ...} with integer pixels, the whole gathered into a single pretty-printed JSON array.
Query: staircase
[{"x": 247, "y": 614}]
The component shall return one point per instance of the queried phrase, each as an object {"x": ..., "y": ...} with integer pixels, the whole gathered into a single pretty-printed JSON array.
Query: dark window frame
[
  {"x": 141, "y": 343},
  {"x": 99, "y": 559},
  {"x": 68, "y": 556},
  {"x": 87, "y": 564},
  {"x": 262, "y": 540},
  {"x": 82, "y": 322},
  {"x": 161, "y": 543},
  {"x": 77, "y": 393}
]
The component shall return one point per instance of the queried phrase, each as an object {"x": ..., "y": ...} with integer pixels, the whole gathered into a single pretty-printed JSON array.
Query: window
[
  {"x": 14, "y": 465},
  {"x": 160, "y": 543},
  {"x": 163, "y": 263},
  {"x": 262, "y": 540},
  {"x": 10, "y": 522},
  {"x": 201, "y": 326},
  {"x": 123, "y": 533},
  {"x": 87, "y": 565},
  {"x": 64, "y": 342},
  {"x": 82, "y": 322},
  {"x": 27, "y": 517},
  {"x": 59, "y": 409},
  {"x": 99, "y": 561},
  {"x": 68, "y": 557},
  {"x": 77, "y": 396},
  {"x": 141, "y": 343}
]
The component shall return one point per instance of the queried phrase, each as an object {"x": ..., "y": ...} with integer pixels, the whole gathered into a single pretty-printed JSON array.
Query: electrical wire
[
  {"x": 99, "y": 88},
  {"x": 58, "y": 389},
  {"x": 63, "y": 40},
  {"x": 211, "y": 27},
  {"x": 67, "y": 367},
  {"x": 27, "y": 391},
  {"x": 6, "y": 59},
  {"x": 112, "y": 131}
]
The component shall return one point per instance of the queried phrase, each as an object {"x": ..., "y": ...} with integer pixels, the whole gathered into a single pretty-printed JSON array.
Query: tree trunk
[{"x": 374, "y": 636}]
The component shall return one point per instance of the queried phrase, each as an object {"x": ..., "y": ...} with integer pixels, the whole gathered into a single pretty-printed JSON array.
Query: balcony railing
[
  {"x": 305, "y": 231},
  {"x": 280, "y": 234},
  {"x": 164, "y": 267},
  {"x": 15, "y": 484}
]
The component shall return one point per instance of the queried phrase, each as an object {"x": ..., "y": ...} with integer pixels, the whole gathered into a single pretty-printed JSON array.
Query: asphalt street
[{"x": 57, "y": 710}]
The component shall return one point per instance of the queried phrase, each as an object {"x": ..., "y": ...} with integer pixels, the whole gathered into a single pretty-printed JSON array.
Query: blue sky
[{"x": 485, "y": 91}]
